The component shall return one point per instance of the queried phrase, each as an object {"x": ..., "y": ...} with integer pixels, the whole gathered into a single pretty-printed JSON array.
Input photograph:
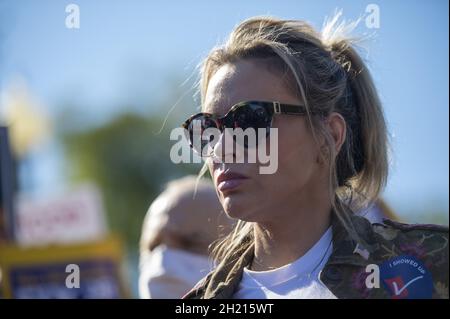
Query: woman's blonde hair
[{"x": 327, "y": 74}]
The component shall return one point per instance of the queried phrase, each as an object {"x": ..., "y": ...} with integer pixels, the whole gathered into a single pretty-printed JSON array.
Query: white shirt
[{"x": 297, "y": 280}]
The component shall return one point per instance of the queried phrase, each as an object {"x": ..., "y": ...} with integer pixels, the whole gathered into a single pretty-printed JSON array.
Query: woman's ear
[{"x": 337, "y": 128}]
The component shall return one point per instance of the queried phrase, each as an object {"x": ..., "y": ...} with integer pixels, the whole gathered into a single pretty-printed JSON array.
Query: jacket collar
[{"x": 346, "y": 249}]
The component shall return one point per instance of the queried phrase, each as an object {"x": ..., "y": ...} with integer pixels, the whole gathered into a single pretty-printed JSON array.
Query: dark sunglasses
[{"x": 248, "y": 114}]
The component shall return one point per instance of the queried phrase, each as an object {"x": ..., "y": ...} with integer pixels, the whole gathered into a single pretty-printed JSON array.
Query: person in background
[{"x": 178, "y": 228}]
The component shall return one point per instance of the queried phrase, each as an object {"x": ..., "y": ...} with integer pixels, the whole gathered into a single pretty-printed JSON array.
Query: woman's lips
[
  {"x": 230, "y": 184},
  {"x": 229, "y": 181}
]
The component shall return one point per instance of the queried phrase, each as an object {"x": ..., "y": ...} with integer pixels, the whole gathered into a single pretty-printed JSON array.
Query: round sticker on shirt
[{"x": 406, "y": 277}]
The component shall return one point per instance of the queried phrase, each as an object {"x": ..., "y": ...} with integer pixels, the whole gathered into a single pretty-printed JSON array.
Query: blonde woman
[{"x": 297, "y": 236}]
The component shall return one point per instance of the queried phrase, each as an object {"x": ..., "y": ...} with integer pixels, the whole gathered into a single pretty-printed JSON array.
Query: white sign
[{"x": 73, "y": 217}]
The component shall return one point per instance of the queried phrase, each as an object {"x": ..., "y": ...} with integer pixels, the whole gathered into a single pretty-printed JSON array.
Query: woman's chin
[{"x": 237, "y": 206}]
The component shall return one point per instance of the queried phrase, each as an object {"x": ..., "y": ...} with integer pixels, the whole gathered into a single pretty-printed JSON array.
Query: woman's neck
[{"x": 290, "y": 235}]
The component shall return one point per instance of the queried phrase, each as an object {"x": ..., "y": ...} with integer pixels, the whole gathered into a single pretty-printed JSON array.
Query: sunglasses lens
[
  {"x": 261, "y": 117},
  {"x": 253, "y": 116},
  {"x": 242, "y": 118},
  {"x": 196, "y": 129}
]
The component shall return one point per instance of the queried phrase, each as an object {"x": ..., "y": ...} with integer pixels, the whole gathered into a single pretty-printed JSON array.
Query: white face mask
[{"x": 169, "y": 273}]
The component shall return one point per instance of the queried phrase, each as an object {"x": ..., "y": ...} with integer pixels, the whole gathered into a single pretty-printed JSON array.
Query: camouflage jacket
[{"x": 398, "y": 260}]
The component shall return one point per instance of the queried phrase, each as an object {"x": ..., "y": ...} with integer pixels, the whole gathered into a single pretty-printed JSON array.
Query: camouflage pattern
[{"x": 345, "y": 271}]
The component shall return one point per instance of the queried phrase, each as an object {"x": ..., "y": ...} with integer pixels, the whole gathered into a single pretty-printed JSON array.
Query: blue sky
[{"x": 127, "y": 51}]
